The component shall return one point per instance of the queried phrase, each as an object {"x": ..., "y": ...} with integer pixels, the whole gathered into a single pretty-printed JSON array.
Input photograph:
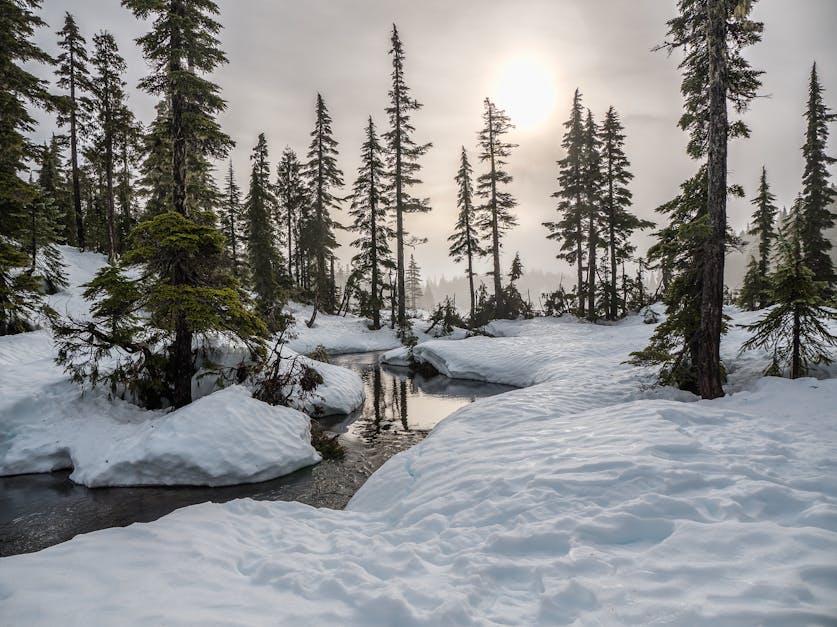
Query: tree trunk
[
  {"x": 711, "y": 311},
  {"x": 109, "y": 187},
  {"x": 74, "y": 155},
  {"x": 591, "y": 266},
  {"x": 796, "y": 363},
  {"x": 499, "y": 308},
  {"x": 614, "y": 312},
  {"x": 399, "y": 212}
]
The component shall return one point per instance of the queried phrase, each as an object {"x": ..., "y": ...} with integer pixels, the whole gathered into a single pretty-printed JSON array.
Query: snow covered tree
[
  {"x": 107, "y": 95},
  {"x": 403, "y": 163},
  {"x": 74, "y": 78},
  {"x": 369, "y": 210},
  {"x": 620, "y": 223},
  {"x": 465, "y": 240},
  {"x": 569, "y": 229},
  {"x": 495, "y": 216},
  {"x": 264, "y": 259},
  {"x": 795, "y": 330},
  {"x": 291, "y": 193},
  {"x": 414, "y": 292},
  {"x": 232, "y": 220},
  {"x": 764, "y": 218},
  {"x": 712, "y": 34},
  {"x": 322, "y": 175},
  {"x": 817, "y": 192}
]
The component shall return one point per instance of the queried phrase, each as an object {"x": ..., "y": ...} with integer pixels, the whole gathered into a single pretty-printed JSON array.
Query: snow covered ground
[
  {"x": 587, "y": 498},
  {"x": 224, "y": 438}
]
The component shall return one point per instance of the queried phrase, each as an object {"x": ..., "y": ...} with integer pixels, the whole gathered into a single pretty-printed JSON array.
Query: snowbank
[
  {"x": 578, "y": 500},
  {"x": 225, "y": 437}
]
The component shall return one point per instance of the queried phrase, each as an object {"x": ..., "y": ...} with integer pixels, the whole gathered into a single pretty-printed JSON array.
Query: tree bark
[
  {"x": 495, "y": 231},
  {"x": 74, "y": 154},
  {"x": 709, "y": 360}
]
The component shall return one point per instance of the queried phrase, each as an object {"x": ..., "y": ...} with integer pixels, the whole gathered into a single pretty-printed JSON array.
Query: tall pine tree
[
  {"x": 569, "y": 229},
  {"x": 592, "y": 207},
  {"x": 817, "y": 193},
  {"x": 413, "y": 284},
  {"x": 763, "y": 228},
  {"x": 403, "y": 162},
  {"x": 291, "y": 193},
  {"x": 370, "y": 212},
  {"x": 323, "y": 176},
  {"x": 265, "y": 262},
  {"x": 74, "y": 78},
  {"x": 465, "y": 240},
  {"x": 232, "y": 220},
  {"x": 495, "y": 216}
]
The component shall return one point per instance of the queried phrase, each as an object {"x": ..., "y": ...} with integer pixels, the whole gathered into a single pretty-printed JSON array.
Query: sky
[{"x": 528, "y": 56}]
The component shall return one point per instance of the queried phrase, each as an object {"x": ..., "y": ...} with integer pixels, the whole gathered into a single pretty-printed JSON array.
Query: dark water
[{"x": 40, "y": 510}]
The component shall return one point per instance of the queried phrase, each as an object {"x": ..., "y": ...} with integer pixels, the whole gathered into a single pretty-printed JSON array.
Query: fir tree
[
  {"x": 569, "y": 230},
  {"x": 107, "y": 91},
  {"x": 322, "y": 175},
  {"x": 128, "y": 154},
  {"x": 495, "y": 216},
  {"x": 53, "y": 185},
  {"x": 232, "y": 220},
  {"x": 516, "y": 270},
  {"x": 18, "y": 89},
  {"x": 817, "y": 193},
  {"x": 20, "y": 295},
  {"x": 402, "y": 162},
  {"x": 620, "y": 223},
  {"x": 795, "y": 330},
  {"x": 414, "y": 292},
  {"x": 369, "y": 210},
  {"x": 764, "y": 218},
  {"x": 711, "y": 35},
  {"x": 290, "y": 190},
  {"x": 755, "y": 288},
  {"x": 265, "y": 263},
  {"x": 465, "y": 240},
  {"x": 40, "y": 237},
  {"x": 74, "y": 78},
  {"x": 592, "y": 207}
]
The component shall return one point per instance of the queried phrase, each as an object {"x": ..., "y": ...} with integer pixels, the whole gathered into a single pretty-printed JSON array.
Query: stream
[{"x": 39, "y": 510}]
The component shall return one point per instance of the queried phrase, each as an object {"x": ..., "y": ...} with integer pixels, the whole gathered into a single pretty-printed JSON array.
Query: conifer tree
[
  {"x": 569, "y": 230},
  {"x": 465, "y": 240},
  {"x": 232, "y": 220},
  {"x": 402, "y": 162},
  {"x": 264, "y": 260},
  {"x": 322, "y": 175},
  {"x": 290, "y": 190},
  {"x": 817, "y": 192},
  {"x": 74, "y": 78},
  {"x": 616, "y": 198},
  {"x": 764, "y": 218},
  {"x": 370, "y": 212},
  {"x": 755, "y": 288},
  {"x": 53, "y": 185},
  {"x": 592, "y": 207},
  {"x": 40, "y": 237},
  {"x": 795, "y": 330},
  {"x": 711, "y": 35},
  {"x": 107, "y": 92},
  {"x": 516, "y": 270},
  {"x": 128, "y": 154},
  {"x": 495, "y": 216},
  {"x": 413, "y": 283}
]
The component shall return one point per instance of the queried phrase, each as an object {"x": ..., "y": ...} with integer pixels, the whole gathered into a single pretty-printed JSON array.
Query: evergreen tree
[
  {"x": 107, "y": 91},
  {"x": 232, "y": 220},
  {"x": 128, "y": 154},
  {"x": 369, "y": 210},
  {"x": 764, "y": 219},
  {"x": 20, "y": 294},
  {"x": 39, "y": 237},
  {"x": 592, "y": 207},
  {"x": 755, "y": 288},
  {"x": 54, "y": 186},
  {"x": 18, "y": 89},
  {"x": 516, "y": 270},
  {"x": 322, "y": 175},
  {"x": 620, "y": 223},
  {"x": 569, "y": 230},
  {"x": 74, "y": 78},
  {"x": 817, "y": 193},
  {"x": 795, "y": 330},
  {"x": 290, "y": 190},
  {"x": 414, "y": 292},
  {"x": 495, "y": 216},
  {"x": 402, "y": 162},
  {"x": 465, "y": 240},
  {"x": 712, "y": 35},
  {"x": 265, "y": 262}
]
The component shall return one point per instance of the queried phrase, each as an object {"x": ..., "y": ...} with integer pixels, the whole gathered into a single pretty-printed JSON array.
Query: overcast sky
[{"x": 283, "y": 52}]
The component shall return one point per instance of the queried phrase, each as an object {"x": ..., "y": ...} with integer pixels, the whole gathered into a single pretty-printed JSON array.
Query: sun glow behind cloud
[{"x": 525, "y": 88}]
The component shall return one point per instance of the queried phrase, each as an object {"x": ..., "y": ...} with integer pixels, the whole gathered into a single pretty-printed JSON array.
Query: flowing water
[{"x": 40, "y": 510}]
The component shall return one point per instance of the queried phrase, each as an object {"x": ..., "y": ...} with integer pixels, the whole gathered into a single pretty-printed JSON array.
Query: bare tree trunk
[
  {"x": 711, "y": 310},
  {"x": 591, "y": 267},
  {"x": 74, "y": 155},
  {"x": 499, "y": 308}
]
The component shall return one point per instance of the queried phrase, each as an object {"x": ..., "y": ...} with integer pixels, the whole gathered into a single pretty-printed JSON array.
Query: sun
[{"x": 525, "y": 88}]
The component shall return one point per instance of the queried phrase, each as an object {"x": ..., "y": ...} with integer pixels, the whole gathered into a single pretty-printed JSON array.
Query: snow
[
  {"x": 225, "y": 437},
  {"x": 586, "y": 498}
]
